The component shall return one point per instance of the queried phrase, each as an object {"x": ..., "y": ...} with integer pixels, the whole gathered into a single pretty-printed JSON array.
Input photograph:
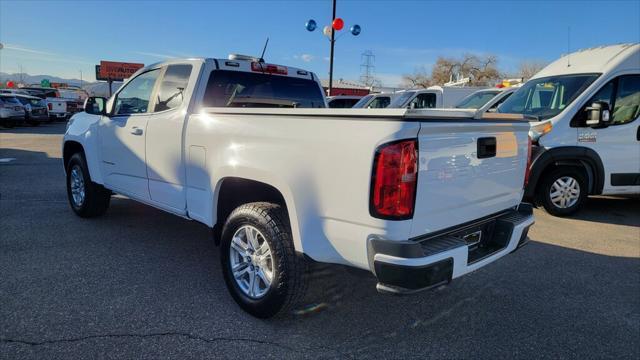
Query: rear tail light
[
  {"x": 269, "y": 68},
  {"x": 50, "y": 106},
  {"x": 394, "y": 180},
  {"x": 527, "y": 170}
]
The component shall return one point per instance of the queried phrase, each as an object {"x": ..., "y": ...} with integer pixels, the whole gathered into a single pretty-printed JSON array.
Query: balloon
[
  {"x": 310, "y": 25},
  {"x": 10, "y": 84},
  {"x": 327, "y": 31},
  {"x": 355, "y": 30},
  {"x": 338, "y": 24}
]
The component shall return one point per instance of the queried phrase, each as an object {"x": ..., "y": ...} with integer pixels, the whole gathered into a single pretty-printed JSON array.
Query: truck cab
[{"x": 584, "y": 109}]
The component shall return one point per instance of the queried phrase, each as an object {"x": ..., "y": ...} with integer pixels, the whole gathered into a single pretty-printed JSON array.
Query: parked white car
[
  {"x": 342, "y": 101},
  {"x": 432, "y": 97},
  {"x": 416, "y": 197},
  {"x": 585, "y": 107},
  {"x": 375, "y": 101},
  {"x": 486, "y": 99}
]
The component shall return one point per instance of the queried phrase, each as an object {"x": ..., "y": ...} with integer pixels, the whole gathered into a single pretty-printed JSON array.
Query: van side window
[
  {"x": 174, "y": 82},
  {"x": 626, "y": 106}
]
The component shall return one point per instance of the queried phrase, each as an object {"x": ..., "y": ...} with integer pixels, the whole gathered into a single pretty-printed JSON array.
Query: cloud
[
  {"x": 304, "y": 57},
  {"x": 27, "y": 50},
  {"x": 153, "y": 54}
]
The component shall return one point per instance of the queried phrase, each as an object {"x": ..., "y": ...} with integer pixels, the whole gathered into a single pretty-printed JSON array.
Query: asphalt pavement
[{"x": 140, "y": 283}]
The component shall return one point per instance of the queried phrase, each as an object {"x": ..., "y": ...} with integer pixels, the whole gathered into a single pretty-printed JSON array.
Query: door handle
[{"x": 136, "y": 130}]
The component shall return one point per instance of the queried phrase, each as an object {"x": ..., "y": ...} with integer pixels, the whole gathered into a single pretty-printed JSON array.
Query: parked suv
[
  {"x": 35, "y": 109},
  {"x": 11, "y": 111},
  {"x": 585, "y": 108}
]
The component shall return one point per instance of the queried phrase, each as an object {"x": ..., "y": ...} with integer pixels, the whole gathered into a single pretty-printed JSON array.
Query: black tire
[
  {"x": 288, "y": 284},
  {"x": 96, "y": 197},
  {"x": 544, "y": 190},
  {"x": 9, "y": 124}
]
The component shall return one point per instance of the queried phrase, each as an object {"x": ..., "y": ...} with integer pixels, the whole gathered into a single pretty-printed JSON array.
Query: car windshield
[
  {"x": 477, "y": 100},
  {"x": 401, "y": 100},
  {"x": 546, "y": 97},
  {"x": 362, "y": 102},
  {"x": 243, "y": 89}
]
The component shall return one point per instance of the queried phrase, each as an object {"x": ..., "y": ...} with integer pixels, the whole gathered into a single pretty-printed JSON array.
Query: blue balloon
[
  {"x": 310, "y": 25},
  {"x": 355, "y": 30}
]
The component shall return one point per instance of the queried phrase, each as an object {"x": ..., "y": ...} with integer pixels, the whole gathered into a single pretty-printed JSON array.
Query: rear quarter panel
[{"x": 321, "y": 165}]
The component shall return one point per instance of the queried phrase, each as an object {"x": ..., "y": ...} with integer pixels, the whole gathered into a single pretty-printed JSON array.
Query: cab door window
[
  {"x": 135, "y": 96},
  {"x": 622, "y": 94},
  {"x": 626, "y": 105}
]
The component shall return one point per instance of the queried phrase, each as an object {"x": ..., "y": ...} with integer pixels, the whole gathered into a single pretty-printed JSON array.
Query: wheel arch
[
  {"x": 578, "y": 156},
  {"x": 233, "y": 191}
]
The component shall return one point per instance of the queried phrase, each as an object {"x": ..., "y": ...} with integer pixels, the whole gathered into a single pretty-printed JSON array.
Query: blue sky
[{"x": 64, "y": 38}]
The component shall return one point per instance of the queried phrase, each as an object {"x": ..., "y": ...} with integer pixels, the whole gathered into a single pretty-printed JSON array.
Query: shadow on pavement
[
  {"x": 44, "y": 128},
  {"x": 611, "y": 210}
]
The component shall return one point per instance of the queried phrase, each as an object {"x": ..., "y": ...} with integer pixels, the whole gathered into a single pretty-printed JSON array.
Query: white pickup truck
[{"x": 417, "y": 197}]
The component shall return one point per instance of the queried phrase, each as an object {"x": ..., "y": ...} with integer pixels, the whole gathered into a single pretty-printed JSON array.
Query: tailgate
[{"x": 461, "y": 178}]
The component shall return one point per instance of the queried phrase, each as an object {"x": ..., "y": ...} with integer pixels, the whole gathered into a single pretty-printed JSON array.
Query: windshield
[
  {"x": 362, "y": 102},
  {"x": 477, "y": 100},
  {"x": 546, "y": 97},
  {"x": 402, "y": 99},
  {"x": 243, "y": 89}
]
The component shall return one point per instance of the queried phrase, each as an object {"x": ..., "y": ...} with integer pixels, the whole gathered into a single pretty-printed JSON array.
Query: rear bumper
[{"x": 423, "y": 263}]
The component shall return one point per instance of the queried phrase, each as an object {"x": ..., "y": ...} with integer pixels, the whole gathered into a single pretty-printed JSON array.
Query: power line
[{"x": 367, "y": 68}]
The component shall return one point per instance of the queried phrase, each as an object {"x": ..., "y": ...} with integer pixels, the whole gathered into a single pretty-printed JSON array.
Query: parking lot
[{"x": 140, "y": 283}]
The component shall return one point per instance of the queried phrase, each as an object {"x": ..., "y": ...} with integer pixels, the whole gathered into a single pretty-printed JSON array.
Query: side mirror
[
  {"x": 598, "y": 114},
  {"x": 95, "y": 105}
]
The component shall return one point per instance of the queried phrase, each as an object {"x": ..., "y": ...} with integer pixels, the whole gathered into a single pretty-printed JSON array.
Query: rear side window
[
  {"x": 243, "y": 89},
  {"x": 174, "y": 82}
]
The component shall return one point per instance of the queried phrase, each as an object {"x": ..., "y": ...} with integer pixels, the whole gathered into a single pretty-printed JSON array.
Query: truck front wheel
[
  {"x": 261, "y": 269},
  {"x": 563, "y": 191},
  {"x": 87, "y": 199}
]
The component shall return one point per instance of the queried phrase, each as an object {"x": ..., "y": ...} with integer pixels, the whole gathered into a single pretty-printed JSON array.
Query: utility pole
[
  {"x": 333, "y": 41},
  {"x": 80, "y": 79}
]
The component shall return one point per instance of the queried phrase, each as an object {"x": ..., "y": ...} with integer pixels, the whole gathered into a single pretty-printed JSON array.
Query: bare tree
[
  {"x": 419, "y": 79},
  {"x": 528, "y": 68},
  {"x": 481, "y": 70}
]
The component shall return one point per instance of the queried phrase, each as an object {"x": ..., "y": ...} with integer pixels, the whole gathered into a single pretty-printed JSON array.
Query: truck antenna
[{"x": 264, "y": 50}]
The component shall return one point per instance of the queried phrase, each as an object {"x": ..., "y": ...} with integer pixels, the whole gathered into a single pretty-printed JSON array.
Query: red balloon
[
  {"x": 338, "y": 24},
  {"x": 10, "y": 84}
]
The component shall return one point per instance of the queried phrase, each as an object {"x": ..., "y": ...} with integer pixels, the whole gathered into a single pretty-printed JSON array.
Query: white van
[
  {"x": 432, "y": 97},
  {"x": 585, "y": 108}
]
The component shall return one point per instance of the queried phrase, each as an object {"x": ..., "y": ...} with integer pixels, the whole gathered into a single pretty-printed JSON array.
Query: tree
[
  {"x": 419, "y": 79},
  {"x": 481, "y": 70},
  {"x": 528, "y": 68}
]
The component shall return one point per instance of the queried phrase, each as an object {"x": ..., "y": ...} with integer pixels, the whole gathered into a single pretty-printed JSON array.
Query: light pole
[{"x": 330, "y": 31}]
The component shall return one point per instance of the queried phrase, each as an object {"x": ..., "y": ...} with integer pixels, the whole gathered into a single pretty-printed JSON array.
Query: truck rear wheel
[
  {"x": 87, "y": 199},
  {"x": 563, "y": 191},
  {"x": 261, "y": 269}
]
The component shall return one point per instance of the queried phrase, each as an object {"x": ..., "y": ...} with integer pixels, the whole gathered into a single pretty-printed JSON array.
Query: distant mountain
[{"x": 35, "y": 79}]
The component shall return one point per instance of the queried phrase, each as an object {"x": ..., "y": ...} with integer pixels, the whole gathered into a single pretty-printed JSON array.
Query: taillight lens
[
  {"x": 394, "y": 180},
  {"x": 50, "y": 106},
  {"x": 527, "y": 170}
]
